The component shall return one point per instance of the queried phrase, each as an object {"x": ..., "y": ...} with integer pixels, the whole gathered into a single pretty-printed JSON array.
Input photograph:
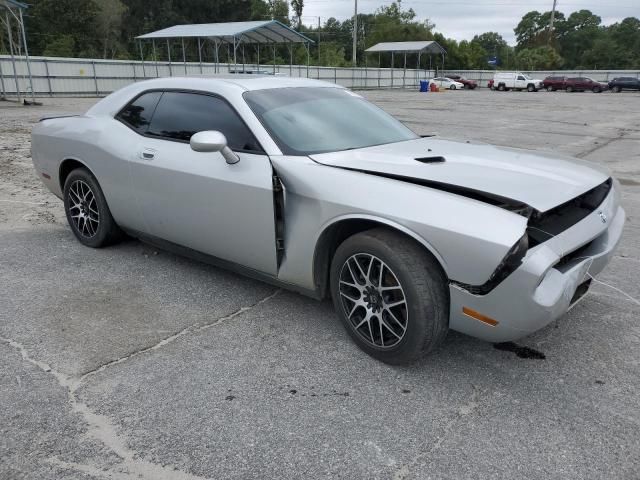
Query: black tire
[
  {"x": 452, "y": 87},
  {"x": 596, "y": 89},
  {"x": 616, "y": 89},
  {"x": 501, "y": 87},
  {"x": 93, "y": 233},
  {"x": 531, "y": 88},
  {"x": 569, "y": 89},
  {"x": 550, "y": 89},
  {"x": 423, "y": 286}
]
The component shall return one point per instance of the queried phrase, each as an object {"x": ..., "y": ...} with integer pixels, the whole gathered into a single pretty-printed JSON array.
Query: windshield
[{"x": 304, "y": 120}]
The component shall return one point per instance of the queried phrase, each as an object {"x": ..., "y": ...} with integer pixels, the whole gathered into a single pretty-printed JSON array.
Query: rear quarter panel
[{"x": 103, "y": 145}]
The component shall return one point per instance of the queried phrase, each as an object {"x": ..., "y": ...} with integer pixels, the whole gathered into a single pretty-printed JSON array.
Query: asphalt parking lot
[{"x": 133, "y": 363}]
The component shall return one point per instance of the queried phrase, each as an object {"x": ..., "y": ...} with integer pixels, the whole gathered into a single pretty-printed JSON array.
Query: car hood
[{"x": 540, "y": 180}]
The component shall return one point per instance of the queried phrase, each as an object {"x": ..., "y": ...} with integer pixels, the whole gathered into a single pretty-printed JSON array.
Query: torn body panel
[
  {"x": 466, "y": 236},
  {"x": 537, "y": 179}
]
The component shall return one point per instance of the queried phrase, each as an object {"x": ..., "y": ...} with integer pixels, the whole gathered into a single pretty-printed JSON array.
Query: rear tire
[
  {"x": 501, "y": 87},
  {"x": 87, "y": 211},
  {"x": 596, "y": 89},
  {"x": 391, "y": 295},
  {"x": 550, "y": 89},
  {"x": 569, "y": 89},
  {"x": 452, "y": 87}
]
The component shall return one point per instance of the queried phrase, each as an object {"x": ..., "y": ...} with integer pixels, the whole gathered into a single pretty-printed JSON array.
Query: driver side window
[
  {"x": 179, "y": 115},
  {"x": 520, "y": 77}
]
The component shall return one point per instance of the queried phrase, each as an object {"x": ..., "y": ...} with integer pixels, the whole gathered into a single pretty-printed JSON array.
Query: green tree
[
  {"x": 581, "y": 30},
  {"x": 279, "y": 10},
  {"x": 109, "y": 24},
  {"x": 538, "y": 58},
  {"x": 60, "y": 46},
  {"x": 51, "y": 20},
  {"x": 297, "y": 6}
]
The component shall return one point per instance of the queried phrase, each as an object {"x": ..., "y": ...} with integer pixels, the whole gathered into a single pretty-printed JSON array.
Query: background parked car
[
  {"x": 444, "y": 82},
  {"x": 552, "y": 83},
  {"x": 581, "y": 84},
  {"x": 490, "y": 84},
  {"x": 517, "y": 81},
  {"x": 624, "y": 83},
  {"x": 469, "y": 84}
]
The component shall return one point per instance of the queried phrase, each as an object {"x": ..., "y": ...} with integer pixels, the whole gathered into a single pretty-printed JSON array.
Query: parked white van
[{"x": 516, "y": 80}]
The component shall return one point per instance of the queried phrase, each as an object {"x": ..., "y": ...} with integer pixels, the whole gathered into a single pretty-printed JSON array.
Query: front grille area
[{"x": 543, "y": 226}]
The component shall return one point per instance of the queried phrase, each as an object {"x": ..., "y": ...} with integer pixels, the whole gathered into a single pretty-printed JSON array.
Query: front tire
[
  {"x": 391, "y": 295},
  {"x": 87, "y": 211},
  {"x": 596, "y": 90},
  {"x": 452, "y": 87},
  {"x": 569, "y": 89},
  {"x": 531, "y": 88},
  {"x": 616, "y": 89}
]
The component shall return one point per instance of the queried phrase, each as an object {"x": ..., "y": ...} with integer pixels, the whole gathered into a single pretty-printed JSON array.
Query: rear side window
[
  {"x": 139, "y": 112},
  {"x": 180, "y": 114}
]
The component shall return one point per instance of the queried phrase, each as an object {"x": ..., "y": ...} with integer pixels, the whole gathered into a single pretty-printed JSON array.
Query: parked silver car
[{"x": 307, "y": 185}]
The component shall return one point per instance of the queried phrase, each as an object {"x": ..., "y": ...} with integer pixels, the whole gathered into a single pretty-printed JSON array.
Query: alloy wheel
[
  {"x": 83, "y": 209},
  {"x": 373, "y": 300}
]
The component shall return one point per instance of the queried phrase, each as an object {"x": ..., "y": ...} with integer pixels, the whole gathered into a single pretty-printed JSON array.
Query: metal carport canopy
[
  {"x": 408, "y": 47},
  {"x": 269, "y": 31}
]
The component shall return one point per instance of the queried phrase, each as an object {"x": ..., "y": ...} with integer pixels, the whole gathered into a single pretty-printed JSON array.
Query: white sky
[{"x": 462, "y": 19}]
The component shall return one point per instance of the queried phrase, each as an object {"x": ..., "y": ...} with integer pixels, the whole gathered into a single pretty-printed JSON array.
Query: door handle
[{"x": 148, "y": 154}]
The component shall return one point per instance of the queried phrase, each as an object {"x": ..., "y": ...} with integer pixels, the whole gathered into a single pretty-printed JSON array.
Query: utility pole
[
  {"x": 553, "y": 15},
  {"x": 319, "y": 58},
  {"x": 355, "y": 34}
]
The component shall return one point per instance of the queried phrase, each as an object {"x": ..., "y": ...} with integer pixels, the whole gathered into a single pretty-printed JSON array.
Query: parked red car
[
  {"x": 581, "y": 84},
  {"x": 468, "y": 84},
  {"x": 554, "y": 83},
  {"x": 490, "y": 84}
]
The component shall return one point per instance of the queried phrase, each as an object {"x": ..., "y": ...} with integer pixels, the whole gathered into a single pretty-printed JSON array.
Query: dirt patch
[{"x": 24, "y": 200}]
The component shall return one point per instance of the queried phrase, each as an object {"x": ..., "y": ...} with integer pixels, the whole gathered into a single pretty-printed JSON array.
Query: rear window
[{"x": 138, "y": 113}]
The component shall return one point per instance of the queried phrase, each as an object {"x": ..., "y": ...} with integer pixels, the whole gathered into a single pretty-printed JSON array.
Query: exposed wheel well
[
  {"x": 66, "y": 168},
  {"x": 331, "y": 239}
]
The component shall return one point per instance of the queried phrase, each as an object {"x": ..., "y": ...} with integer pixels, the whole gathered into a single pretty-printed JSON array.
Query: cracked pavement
[{"x": 133, "y": 363}]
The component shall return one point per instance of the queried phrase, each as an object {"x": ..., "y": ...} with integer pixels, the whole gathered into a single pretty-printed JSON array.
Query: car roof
[
  {"x": 243, "y": 81},
  {"x": 226, "y": 85}
]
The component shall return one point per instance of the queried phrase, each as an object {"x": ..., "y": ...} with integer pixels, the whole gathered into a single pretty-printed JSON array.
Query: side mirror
[{"x": 213, "y": 141}]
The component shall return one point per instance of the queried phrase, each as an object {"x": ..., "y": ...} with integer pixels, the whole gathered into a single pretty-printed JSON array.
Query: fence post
[
  {"x": 46, "y": 70},
  {"x": 335, "y": 75},
  {"x": 133, "y": 65},
  {"x": 2, "y": 90},
  {"x": 95, "y": 77}
]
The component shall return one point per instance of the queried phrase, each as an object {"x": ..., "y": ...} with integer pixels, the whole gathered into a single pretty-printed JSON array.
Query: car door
[
  {"x": 196, "y": 199},
  {"x": 521, "y": 82}
]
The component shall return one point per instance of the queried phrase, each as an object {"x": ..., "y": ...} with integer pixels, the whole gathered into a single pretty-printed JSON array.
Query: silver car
[{"x": 308, "y": 186}]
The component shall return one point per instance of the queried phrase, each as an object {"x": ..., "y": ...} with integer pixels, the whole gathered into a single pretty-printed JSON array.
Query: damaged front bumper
[{"x": 552, "y": 278}]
